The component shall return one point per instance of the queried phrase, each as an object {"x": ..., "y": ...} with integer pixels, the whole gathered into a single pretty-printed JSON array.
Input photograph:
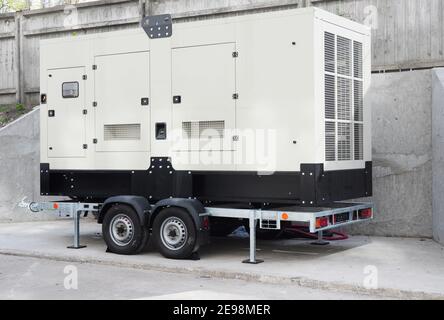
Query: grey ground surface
[
  {"x": 405, "y": 268},
  {"x": 33, "y": 278}
]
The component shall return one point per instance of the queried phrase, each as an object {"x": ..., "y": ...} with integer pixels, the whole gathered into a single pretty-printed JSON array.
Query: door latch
[
  {"x": 144, "y": 101},
  {"x": 177, "y": 99}
]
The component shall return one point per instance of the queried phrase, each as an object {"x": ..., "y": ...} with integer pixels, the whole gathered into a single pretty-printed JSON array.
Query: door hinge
[
  {"x": 94, "y": 103},
  {"x": 84, "y": 77},
  {"x": 235, "y": 96},
  {"x": 94, "y": 67},
  {"x": 235, "y": 54},
  {"x": 85, "y": 146},
  {"x": 95, "y": 141},
  {"x": 85, "y": 111}
]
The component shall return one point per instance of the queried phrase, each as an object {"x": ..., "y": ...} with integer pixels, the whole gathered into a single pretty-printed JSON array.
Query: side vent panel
[
  {"x": 114, "y": 132},
  {"x": 203, "y": 135}
]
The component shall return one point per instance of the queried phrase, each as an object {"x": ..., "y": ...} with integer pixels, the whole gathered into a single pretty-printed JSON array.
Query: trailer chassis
[{"x": 317, "y": 219}]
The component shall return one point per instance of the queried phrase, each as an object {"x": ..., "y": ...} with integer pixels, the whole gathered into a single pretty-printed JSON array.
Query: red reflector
[
  {"x": 321, "y": 222},
  {"x": 205, "y": 223},
  {"x": 365, "y": 213}
]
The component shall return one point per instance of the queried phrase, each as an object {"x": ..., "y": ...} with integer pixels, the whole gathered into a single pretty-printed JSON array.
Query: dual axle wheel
[{"x": 173, "y": 231}]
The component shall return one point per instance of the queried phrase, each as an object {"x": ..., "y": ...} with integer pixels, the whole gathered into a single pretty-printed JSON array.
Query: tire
[
  {"x": 175, "y": 233},
  {"x": 122, "y": 231}
]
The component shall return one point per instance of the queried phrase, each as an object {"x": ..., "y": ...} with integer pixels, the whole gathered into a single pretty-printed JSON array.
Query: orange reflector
[
  {"x": 284, "y": 216},
  {"x": 55, "y": 205},
  {"x": 321, "y": 222}
]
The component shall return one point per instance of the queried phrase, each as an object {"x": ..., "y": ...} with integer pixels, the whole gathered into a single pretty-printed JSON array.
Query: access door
[
  {"x": 122, "y": 102},
  {"x": 66, "y": 118},
  {"x": 204, "y": 97}
]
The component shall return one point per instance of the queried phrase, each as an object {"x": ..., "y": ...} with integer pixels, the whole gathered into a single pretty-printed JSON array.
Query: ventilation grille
[
  {"x": 330, "y": 141},
  {"x": 330, "y": 97},
  {"x": 344, "y": 56},
  {"x": 203, "y": 129},
  {"x": 358, "y": 101},
  {"x": 329, "y": 52},
  {"x": 357, "y": 59},
  {"x": 121, "y": 132},
  {"x": 359, "y": 141},
  {"x": 344, "y": 98},
  {"x": 344, "y": 141}
]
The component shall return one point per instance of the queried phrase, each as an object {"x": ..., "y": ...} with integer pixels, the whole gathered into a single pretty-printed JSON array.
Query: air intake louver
[
  {"x": 344, "y": 128},
  {"x": 122, "y": 132}
]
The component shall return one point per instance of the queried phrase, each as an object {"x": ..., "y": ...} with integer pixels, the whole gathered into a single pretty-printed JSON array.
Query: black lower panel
[{"x": 311, "y": 186}]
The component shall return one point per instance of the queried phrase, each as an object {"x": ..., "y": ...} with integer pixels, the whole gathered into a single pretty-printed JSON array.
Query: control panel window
[{"x": 70, "y": 89}]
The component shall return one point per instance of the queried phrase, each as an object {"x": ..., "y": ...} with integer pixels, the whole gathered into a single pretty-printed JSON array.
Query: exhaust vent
[
  {"x": 121, "y": 132},
  {"x": 344, "y": 94}
]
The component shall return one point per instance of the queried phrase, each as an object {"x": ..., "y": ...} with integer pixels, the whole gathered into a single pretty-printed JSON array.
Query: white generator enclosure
[{"x": 266, "y": 107}]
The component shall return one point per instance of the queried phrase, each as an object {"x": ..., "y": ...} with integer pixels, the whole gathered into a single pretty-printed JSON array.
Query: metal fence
[{"x": 407, "y": 34}]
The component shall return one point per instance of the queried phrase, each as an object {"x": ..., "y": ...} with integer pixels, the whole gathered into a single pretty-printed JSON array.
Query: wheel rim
[
  {"x": 121, "y": 229},
  {"x": 174, "y": 233}
]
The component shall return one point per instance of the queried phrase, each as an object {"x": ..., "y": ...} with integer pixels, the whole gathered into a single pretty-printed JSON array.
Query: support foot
[
  {"x": 257, "y": 261},
  {"x": 76, "y": 247}
]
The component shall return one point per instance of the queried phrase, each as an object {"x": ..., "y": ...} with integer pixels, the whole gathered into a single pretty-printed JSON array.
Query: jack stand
[
  {"x": 252, "y": 259},
  {"x": 76, "y": 244},
  {"x": 320, "y": 241}
]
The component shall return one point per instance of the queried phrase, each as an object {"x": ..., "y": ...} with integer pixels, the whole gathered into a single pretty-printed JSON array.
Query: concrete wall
[
  {"x": 19, "y": 168},
  {"x": 438, "y": 153},
  {"x": 402, "y": 155}
]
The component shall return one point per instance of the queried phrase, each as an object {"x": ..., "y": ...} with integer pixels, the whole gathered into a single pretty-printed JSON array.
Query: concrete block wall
[
  {"x": 402, "y": 155},
  {"x": 438, "y": 153}
]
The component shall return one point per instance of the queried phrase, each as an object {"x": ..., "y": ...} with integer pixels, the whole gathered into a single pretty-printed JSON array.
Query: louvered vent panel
[
  {"x": 344, "y": 141},
  {"x": 211, "y": 129},
  {"x": 122, "y": 132},
  {"x": 343, "y": 72},
  {"x": 359, "y": 141},
  {"x": 186, "y": 130},
  {"x": 329, "y": 52},
  {"x": 344, "y": 55},
  {"x": 357, "y": 59},
  {"x": 330, "y": 141},
  {"x": 203, "y": 129},
  {"x": 344, "y": 98},
  {"x": 330, "y": 97},
  {"x": 358, "y": 101}
]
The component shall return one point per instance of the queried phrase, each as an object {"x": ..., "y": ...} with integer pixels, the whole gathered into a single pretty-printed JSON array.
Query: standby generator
[{"x": 255, "y": 111}]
